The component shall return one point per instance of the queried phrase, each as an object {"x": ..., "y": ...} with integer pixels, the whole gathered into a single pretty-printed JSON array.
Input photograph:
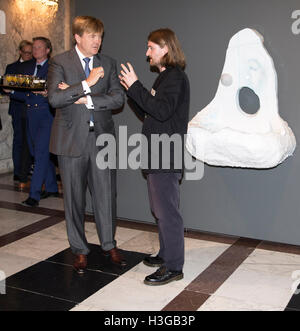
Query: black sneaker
[
  {"x": 153, "y": 261},
  {"x": 30, "y": 202},
  {"x": 163, "y": 276}
]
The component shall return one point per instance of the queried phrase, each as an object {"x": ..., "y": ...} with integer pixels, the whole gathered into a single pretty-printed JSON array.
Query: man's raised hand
[
  {"x": 95, "y": 75},
  {"x": 127, "y": 76}
]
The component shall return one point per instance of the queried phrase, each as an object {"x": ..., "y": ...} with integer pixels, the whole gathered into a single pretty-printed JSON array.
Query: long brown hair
[{"x": 175, "y": 55}]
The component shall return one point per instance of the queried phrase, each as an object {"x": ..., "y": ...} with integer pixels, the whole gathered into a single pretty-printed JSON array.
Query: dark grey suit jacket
[{"x": 71, "y": 123}]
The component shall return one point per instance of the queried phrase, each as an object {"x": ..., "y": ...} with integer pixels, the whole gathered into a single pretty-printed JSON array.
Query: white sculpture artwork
[
  {"x": 2, "y": 22},
  {"x": 222, "y": 133}
]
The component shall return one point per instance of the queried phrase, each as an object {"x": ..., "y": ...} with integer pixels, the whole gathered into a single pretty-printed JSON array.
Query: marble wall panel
[{"x": 26, "y": 19}]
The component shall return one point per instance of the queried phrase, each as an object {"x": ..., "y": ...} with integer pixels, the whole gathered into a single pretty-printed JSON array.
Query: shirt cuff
[
  {"x": 89, "y": 104},
  {"x": 86, "y": 88}
]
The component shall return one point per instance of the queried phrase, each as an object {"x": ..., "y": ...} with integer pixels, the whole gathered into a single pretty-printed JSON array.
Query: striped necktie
[
  {"x": 87, "y": 68},
  {"x": 87, "y": 73}
]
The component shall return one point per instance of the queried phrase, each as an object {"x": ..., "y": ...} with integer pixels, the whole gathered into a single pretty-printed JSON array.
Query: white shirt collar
[
  {"x": 42, "y": 63},
  {"x": 81, "y": 56}
]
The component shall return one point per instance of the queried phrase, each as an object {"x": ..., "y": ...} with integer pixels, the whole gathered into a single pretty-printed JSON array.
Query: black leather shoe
[
  {"x": 45, "y": 194},
  {"x": 30, "y": 202},
  {"x": 163, "y": 276},
  {"x": 16, "y": 178},
  {"x": 153, "y": 261}
]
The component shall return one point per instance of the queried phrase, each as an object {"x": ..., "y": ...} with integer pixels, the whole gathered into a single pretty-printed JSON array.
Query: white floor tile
[
  {"x": 264, "y": 279},
  {"x": 52, "y": 203},
  {"x": 217, "y": 303},
  {"x": 8, "y": 179},
  {"x": 13, "y": 196},
  {"x": 130, "y": 294},
  {"x": 11, "y": 263},
  {"x": 12, "y": 220},
  {"x": 145, "y": 242},
  {"x": 81, "y": 307},
  {"x": 40, "y": 245}
]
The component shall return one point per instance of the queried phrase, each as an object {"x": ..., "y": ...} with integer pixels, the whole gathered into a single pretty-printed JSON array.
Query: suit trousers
[
  {"x": 164, "y": 193},
  {"x": 78, "y": 174},
  {"x": 39, "y": 128}
]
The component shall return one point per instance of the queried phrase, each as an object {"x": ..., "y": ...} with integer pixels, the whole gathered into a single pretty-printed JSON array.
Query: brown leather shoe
[
  {"x": 116, "y": 257},
  {"x": 80, "y": 263}
]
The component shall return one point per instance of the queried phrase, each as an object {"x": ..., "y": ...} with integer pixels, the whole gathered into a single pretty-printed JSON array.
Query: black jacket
[{"x": 166, "y": 112}]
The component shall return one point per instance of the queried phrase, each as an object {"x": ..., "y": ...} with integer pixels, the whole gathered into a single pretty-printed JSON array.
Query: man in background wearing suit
[
  {"x": 40, "y": 120},
  {"x": 20, "y": 152},
  {"x": 83, "y": 86}
]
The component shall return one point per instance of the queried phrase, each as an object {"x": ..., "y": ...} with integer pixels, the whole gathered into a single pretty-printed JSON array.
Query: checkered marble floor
[{"x": 220, "y": 272}]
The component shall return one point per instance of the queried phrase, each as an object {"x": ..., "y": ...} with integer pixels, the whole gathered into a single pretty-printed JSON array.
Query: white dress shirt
[{"x": 85, "y": 86}]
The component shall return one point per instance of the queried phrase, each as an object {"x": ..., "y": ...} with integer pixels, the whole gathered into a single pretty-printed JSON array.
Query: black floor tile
[
  {"x": 289, "y": 309},
  {"x": 60, "y": 281},
  {"x": 96, "y": 260},
  {"x": 294, "y": 303},
  {"x": 53, "y": 284},
  {"x": 19, "y": 300}
]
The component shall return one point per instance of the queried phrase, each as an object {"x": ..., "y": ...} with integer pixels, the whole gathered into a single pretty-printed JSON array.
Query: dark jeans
[{"x": 164, "y": 194}]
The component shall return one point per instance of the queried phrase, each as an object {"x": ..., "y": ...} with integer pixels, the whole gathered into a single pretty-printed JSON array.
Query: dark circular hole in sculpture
[{"x": 249, "y": 101}]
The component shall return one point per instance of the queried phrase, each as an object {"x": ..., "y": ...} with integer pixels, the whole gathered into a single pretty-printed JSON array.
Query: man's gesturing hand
[
  {"x": 127, "y": 76},
  {"x": 95, "y": 75}
]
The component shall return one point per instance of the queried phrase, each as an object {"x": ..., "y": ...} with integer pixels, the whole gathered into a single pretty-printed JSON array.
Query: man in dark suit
[
  {"x": 40, "y": 120},
  {"x": 20, "y": 152},
  {"x": 166, "y": 112},
  {"x": 83, "y": 86}
]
